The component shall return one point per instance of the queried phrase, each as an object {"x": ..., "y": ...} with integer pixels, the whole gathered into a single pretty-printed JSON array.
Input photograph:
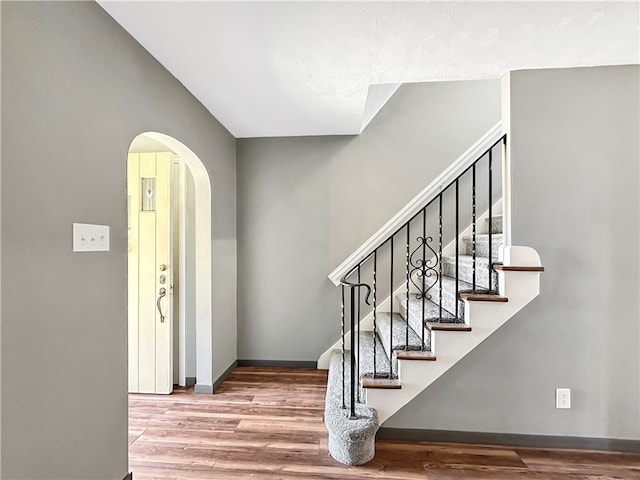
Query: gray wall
[
  {"x": 76, "y": 90},
  {"x": 304, "y": 205},
  {"x": 574, "y": 141}
]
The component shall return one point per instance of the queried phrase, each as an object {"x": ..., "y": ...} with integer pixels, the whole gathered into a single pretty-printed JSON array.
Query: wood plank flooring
[{"x": 266, "y": 423}]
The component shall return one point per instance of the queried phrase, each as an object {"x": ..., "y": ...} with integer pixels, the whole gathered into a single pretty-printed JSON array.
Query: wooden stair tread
[
  {"x": 514, "y": 268},
  {"x": 415, "y": 355},
  {"x": 385, "y": 383},
  {"x": 482, "y": 297},
  {"x": 449, "y": 327}
]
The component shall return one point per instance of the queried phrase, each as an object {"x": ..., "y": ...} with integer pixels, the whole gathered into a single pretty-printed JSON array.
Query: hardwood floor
[{"x": 266, "y": 423}]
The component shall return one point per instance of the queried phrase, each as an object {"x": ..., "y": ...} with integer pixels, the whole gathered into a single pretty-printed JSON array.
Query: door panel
[
  {"x": 150, "y": 319},
  {"x": 164, "y": 257}
]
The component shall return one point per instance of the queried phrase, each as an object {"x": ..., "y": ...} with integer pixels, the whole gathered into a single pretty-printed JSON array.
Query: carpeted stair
[{"x": 352, "y": 442}]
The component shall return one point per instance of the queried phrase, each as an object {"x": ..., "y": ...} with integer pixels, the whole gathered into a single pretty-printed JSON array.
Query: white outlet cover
[
  {"x": 90, "y": 238},
  {"x": 563, "y": 398}
]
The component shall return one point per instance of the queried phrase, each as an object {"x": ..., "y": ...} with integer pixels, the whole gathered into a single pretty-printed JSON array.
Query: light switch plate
[{"x": 90, "y": 238}]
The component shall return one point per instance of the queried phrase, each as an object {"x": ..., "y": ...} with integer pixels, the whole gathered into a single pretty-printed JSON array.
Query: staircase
[{"x": 443, "y": 298}]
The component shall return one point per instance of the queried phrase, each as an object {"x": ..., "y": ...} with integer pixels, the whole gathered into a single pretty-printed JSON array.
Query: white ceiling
[{"x": 298, "y": 68}]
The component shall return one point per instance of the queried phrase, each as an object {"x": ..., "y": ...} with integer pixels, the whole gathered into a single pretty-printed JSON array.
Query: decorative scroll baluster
[
  {"x": 490, "y": 217},
  {"x": 406, "y": 300},
  {"x": 424, "y": 257},
  {"x": 375, "y": 297},
  {"x": 457, "y": 249},
  {"x": 343, "y": 349},
  {"x": 423, "y": 268},
  {"x": 473, "y": 225}
]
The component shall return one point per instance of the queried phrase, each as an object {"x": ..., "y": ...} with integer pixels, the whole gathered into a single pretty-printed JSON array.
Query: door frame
[{"x": 179, "y": 281}]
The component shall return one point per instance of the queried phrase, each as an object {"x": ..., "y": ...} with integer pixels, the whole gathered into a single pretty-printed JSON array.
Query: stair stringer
[
  {"x": 366, "y": 323},
  {"x": 450, "y": 347}
]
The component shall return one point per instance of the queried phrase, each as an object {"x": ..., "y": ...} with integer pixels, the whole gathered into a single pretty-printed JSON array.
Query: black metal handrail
[{"x": 423, "y": 272}]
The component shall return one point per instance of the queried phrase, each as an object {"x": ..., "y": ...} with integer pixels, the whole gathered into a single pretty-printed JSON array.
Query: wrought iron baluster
[
  {"x": 440, "y": 254},
  {"x": 496, "y": 286},
  {"x": 343, "y": 349},
  {"x": 490, "y": 217},
  {"x": 375, "y": 326},
  {"x": 423, "y": 268},
  {"x": 473, "y": 225},
  {"x": 354, "y": 386},
  {"x": 457, "y": 249},
  {"x": 358, "y": 328},
  {"x": 424, "y": 273},
  {"x": 406, "y": 301},
  {"x": 391, "y": 313}
]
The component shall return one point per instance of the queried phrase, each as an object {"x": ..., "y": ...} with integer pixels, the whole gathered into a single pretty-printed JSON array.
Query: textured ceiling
[{"x": 299, "y": 68}]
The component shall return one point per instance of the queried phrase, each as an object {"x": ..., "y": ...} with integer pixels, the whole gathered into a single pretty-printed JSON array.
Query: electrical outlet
[{"x": 563, "y": 398}]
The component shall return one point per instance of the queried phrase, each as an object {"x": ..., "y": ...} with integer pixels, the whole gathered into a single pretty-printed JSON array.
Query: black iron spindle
[
  {"x": 358, "y": 328},
  {"x": 406, "y": 301},
  {"x": 391, "y": 312},
  {"x": 440, "y": 254},
  {"x": 473, "y": 225},
  {"x": 490, "y": 217},
  {"x": 354, "y": 386},
  {"x": 457, "y": 249},
  {"x": 375, "y": 326},
  {"x": 343, "y": 349}
]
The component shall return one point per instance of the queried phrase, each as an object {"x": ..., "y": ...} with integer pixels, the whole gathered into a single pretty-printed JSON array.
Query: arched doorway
[{"x": 200, "y": 213}]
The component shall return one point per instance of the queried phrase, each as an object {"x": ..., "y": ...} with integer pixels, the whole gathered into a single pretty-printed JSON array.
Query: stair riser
[
  {"x": 465, "y": 272},
  {"x": 402, "y": 336},
  {"x": 413, "y": 319},
  {"x": 366, "y": 360},
  {"x": 418, "y": 327},
  {"x": 496, "y": 224},
  {"x": 448, "y": 301},
  {"x": 386, "y": 345},
  {"x": 381, "y": 371},
  {"x": 482, "y": 246},
  {"x": 448, "y": 298}
]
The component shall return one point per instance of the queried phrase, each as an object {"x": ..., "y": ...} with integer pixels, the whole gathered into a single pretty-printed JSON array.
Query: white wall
[{"x": 76, "y": 90}]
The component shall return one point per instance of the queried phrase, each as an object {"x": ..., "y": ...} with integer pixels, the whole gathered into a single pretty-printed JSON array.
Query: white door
[{"x": 150, "y": 273}]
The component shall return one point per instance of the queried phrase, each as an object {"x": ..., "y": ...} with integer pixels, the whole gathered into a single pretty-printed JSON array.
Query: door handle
[{"x": 162, "y": 293}]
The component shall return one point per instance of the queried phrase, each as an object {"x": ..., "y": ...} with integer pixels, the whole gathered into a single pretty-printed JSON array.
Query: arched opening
[{"x": 196, "y": 303}]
